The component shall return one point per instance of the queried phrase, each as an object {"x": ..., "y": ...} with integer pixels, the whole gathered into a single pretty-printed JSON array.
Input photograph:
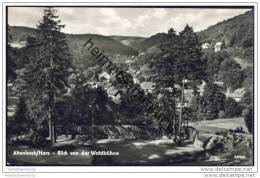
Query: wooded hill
[{"x": 75, "y": 41}]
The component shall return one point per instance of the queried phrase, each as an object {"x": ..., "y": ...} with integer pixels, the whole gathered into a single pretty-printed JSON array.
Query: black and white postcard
[{"x": 145, "y": 86}]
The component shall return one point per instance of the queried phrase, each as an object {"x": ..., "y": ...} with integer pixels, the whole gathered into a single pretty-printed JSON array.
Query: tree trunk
[
  {"x": 50, "y": 124},
  {"x": 174, "y": 117},
  {"x": 181, "y": 109},
  {"x": 52, "y": 117},
  {"x": 92, "y": 122},
  {"x": 52, "y": 133}
]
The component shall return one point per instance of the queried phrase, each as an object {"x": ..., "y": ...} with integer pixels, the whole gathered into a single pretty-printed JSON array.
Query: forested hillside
[
  {"x": 109, "y": 45},
  {"x": 230, "y": 63},
  {"x": 236, "y": 33},
  {"x": 132, "y": 41}
]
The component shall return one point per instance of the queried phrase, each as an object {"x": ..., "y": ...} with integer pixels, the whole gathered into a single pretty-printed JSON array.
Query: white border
[{"x": 107, "y": 169}]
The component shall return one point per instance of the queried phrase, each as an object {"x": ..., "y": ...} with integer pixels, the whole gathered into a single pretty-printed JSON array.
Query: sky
[{"x": 124, "y": 21}]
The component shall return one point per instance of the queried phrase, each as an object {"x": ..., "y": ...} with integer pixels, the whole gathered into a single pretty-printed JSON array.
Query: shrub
[
  {"x": 239, "y": 130},
  {"x": 21, "y": 122},
  {"x": 221, "y": 114},
  {"x": 232, "y": 108},
  {"x": 212, "y": 101},
  {"x": 245, "y": 112},
  {"x": 249, "y": 120}
]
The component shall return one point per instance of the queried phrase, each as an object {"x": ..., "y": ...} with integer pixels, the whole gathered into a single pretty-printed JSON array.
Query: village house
[
  {"x": 148, "y": 87},
  {"x": 103, "y": 76},
  {"x": 20, "y": 44},
  {"x": 114, "y": 94},
  {"x": 205, "y": 46},
  {"x": 218, "y": 46},
  {"x": 237, "y": 95}
]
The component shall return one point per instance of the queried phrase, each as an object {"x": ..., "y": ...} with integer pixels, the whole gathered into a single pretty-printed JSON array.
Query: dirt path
[{"x": 130, "y": 152}]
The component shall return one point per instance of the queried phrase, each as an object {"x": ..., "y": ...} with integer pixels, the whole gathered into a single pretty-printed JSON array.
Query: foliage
[
  {"x": 231, "y": 74},
  {"x": 213, "y": 62},
  {"x": 195, "y": 108},
  {"x": 221, "y": 114},
  {"x": 232, "y": 108},
  {"x": 249, "y": 120},
  {"x": 180, "y": 60},
  {"x": 236, "y": 31},
  {"x": 212, "y": 101},
  {"x": 10, "y": 65},
  {"x": 24, "y": 56},
  {"x": 189, "y": 64},
  {"x": 248, "y": 98},
  {"x": 152, "y": 41},
  {"x": 45, "y": 66},
  {"x": 21, "y": 121},
  {"x": 83, "y": 106}
]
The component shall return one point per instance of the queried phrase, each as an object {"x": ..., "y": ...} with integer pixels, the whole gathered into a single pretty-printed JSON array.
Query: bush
[
  {"x": 232, "y": 108},
  {"x": 221, "y": 114},
  {"x": 239, "y": 130},
  {"x": 249, "y": 120},
  {"x": 248, "y": 98},
  {"x": 21, "y": 122},
  {"x": 245, "y": 112},
  {"x": 212, "y": 101},
  {"x": 222, "y": 133}
]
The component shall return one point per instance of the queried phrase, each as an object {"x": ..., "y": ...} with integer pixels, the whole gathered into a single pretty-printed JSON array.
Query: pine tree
[
  {"x": 181, "y": 61},
  {"x": 189, "y": 64},
  {"x": 10, "y": 65},
  {"x": 20, "y": 117},
  {"x": 28, "y": 83},
  {"x": 212, "y": 101},
  {"x": 47, "y": 72},
  {"x": 164, "y": 67},
  {"x": 54, "y": 62}
]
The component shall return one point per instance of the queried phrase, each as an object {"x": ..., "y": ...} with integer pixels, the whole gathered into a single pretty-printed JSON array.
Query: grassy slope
[
  {"x": 130, "y": 41},
  {"x": 218, "y": 125}
]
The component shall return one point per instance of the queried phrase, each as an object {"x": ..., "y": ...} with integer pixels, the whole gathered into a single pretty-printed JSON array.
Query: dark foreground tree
[
  {"x": 248, "y": 98},
  {"x": 212, "y": 101},
  {"x": 231, "y": 74},
  {"x": 21, "y": 121},
  {"x": 232, "y": 108},
  {"x": 10, "y": 65},
  {"x": 189, "y": 65},
  {"x": 181, "y": 61},
  {"x": 54, "y": 63},
  {"x": 249, "y": 120},
  {"x": 46, "y": 75},
  {"x": 164, "y": 67}
]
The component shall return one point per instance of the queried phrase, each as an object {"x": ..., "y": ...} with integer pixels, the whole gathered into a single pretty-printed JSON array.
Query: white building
[
  {"x": 104, "y": 75},
  {"x": 114, "y": 94},
  {"x": 205, "y": 46},
  {"x": 20, "y": 44},
  {"x": 237, "y": 95},
  {"x": 218, "y": 46},
  {"x": 136, "y": 80},
  {"x": 220, "y": 84},
  {"x": 148, "y": 87}
]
